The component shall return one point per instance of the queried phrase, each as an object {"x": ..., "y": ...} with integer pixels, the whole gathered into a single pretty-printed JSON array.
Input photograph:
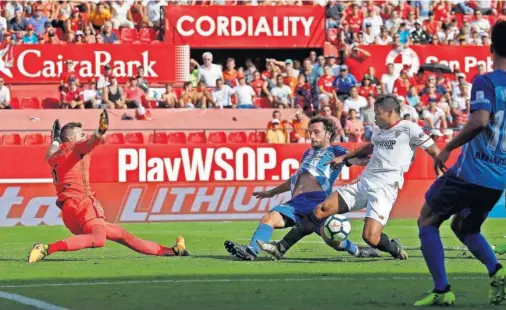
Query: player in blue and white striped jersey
[{"x": 310, "y": 185}]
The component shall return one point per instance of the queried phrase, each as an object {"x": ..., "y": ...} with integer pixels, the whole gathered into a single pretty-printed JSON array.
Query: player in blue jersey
[
  {"x": 471, "y": 188},
  {"x": 310, "y": 185}
]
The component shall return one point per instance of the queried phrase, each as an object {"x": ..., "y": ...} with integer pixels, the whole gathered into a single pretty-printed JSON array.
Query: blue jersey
[
  {"x": 483, "y": 159},
  {"x": 314, "y": 161}
]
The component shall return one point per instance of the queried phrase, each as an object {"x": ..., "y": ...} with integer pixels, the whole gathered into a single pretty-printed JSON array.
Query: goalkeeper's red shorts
[{"x": 77, "y": 211}]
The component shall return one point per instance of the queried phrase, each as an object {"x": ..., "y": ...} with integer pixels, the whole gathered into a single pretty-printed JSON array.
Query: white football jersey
[{"x": 393, "y": 152}]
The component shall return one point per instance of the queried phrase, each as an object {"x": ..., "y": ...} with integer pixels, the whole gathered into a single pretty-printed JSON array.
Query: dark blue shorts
[
  {"x": 299, "y": 206},
  {"x": 451, "y": 195}
]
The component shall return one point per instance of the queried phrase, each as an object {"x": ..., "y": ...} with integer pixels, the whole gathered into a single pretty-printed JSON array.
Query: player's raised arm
[
  {"x": 56, "y": 138},
  {"x": 283, "y": 187},
  {"x": 86, "y": 146},
  {"x": 353, "y": 158}
]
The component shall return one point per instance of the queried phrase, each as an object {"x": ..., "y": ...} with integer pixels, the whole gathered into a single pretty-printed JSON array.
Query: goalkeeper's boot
[
  {"x": 242, "y": 252},
  {"x": 271, "y": 248},
  {"x": 444, "y": 298},
  {"x": 180, "y": 247},
  {"x": 38, "y": 252},
  {"x": 365, "y": 252},
  {"x": 401, "y": 253},
  {"x": 496, "y": 292}
]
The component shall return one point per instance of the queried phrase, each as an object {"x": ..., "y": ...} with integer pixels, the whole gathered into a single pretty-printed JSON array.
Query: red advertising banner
[
  {"x": 165, "y": 183},
  {"x": 28, "y": 64},
  {"x": 466, "y": 59},
  {"x": 246, "y": 26}
]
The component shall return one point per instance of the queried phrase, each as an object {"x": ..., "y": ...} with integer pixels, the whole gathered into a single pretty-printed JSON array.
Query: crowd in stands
[{"x": 316, "y": 84}]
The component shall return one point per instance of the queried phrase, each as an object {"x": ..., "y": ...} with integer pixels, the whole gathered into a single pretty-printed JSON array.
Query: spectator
[
  {"x": 334, "y": 67},
  {"x": 333, "y": 13},
  {"x": 459, "y": 99},
  {"x": 355, "y": 18},
  {"x": 393, "y": 22},
  {"x": 169, "y": 98},
  {"x": 375, "y": 22},
  {"x": 61, "y": 14},
  {"x": 412, "y": 98},
  {"x": 89, "y": 35},
  {"x": 68, "y": 72},
  {"x": 354, "y": 102},
  {"x": 153, "y": 14},
  {"x": 485, "y": 39},
  {"x": 230, "y": 74},
  {"x": 402, "y": 84},
  {"x": 354, "y": 128},
  {"x": 260, "y": 86},
  {"x": 188, "y": 97},
  {"x": 423, "y": 7},
  {"x": 92, "y": 98},
  {"x": 480, "y": 24},
  {"x": 407, "y": 109},
  {"x": 303, "y": 92},
  {"x": 142, "y": 83},
  {"x": 75, "y": 22},
  {"x": 299, "y": 128},
  {"x": 209, "y": 72},
  {"x": 204, "y": 97},
  {"x": 282, "y": 94},
  {"x": 371, "y": 75},
  {"x": 71, "y": 97},
  {"x": 71, "y": 37},
  {"x": 366, "y": 88},
  {"x": 369, "y": 36},
  {"x": 11, "y": 9},
  {"x": 104, "y": 80},
  {"x": 108, "y": 35},
  {"x": 403, "y": 33},
  {"x": 325, "y": 83},
  {"x": 327, "y": 112},
  {"x": 30, "y": 37},
  {"x": 277, "y": 115},
  {"x": 384, "y": 38},
  {"x": 121, "y": 15},
  {"x": 344, "y": 82},
  {"x": 369, "y": 117},
  {"x": 244, "y": 94},
  {"x": 481, "y": 71},
  {"x": 114, "y": 97},
  {"x": 5, "y": 96},
  {"x": 133, "y": 94},
  {"x": 222, "y": 95},
  {"x": 99, "y": 16},
  {"x": 276, "y": 135},
  {"x": 18, "y": 23},
  {"x": 80, "y": 37},
  {"x": 38, "y": 20},
  {"x": 434, "y": 119},
  {"x": 419, "y": 36},
  {"x": 388, "y": 79},
  {"x": 250, "y": 69}
]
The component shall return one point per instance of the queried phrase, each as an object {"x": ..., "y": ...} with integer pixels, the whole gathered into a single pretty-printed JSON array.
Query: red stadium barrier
[
  {"x": 166, "y": 183},
  {"x": 246, "y": 26},
  {"x": 33, "y": 64}
]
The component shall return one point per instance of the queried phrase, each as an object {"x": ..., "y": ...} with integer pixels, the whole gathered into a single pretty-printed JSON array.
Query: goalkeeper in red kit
[{"x": 69, "y": 158}]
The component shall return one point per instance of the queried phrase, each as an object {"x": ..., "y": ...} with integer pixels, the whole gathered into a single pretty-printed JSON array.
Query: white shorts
[{"x": 376, "y": 197}]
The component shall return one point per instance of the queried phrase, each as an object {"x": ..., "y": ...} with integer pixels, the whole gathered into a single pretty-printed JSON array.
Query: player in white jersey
[
  {"x": 310, "y": 185},
  {"x": 392, "y": 148}
]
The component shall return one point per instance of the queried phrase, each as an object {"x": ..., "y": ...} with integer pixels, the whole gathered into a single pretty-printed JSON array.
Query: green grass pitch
[{"x": 313, "y": 276}]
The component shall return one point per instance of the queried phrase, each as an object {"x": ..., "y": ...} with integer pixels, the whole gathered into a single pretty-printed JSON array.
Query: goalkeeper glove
[
  {"x": 56, "y": 131},
  {"x": 104, "y": 122}
]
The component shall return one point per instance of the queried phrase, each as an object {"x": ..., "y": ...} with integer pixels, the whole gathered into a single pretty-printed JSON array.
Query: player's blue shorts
[
  {"x": 451, "y": 195},
  {"x": 300, "y": 206}
]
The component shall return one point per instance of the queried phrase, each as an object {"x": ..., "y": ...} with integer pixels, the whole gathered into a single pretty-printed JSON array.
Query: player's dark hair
[
  {"x": 498, "y": 45},
  {"x": 389, "y": 103},
  {"x": 66, "y": 130},
  {"x": 328, "y": 124}
]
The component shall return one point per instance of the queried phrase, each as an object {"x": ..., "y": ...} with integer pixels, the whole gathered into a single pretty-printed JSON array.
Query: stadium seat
[
  {"x": 34, "y": 139},
  {"x": 115, "y": 138},
  {"x": 30, "y": 103},
  {"x": 158, "y": 138},
  {"x": 11, "y": 139},
  {"x": 217, "y": 138},
  {"x": 237, "y": 137},
  {"x": 197, "y": 137},
  {"x": 259, "y": 137},
  {"x": 128, "y": 35},
  {"x": 176, "y": 138},
  {"x": 263, "y": 103},
  {"x": 50, "y": 103},
  {"x": 15, "y": 103},
  {"x": 147, "y": 35},
  {"x": 47, "y": 139},
  {"x": 134, "y": 138}
]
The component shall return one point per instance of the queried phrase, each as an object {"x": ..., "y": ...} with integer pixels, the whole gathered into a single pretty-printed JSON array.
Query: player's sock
[
  {"x": 305, "y": 227},
  {"x": 349, "y": 246},
  {"x": 78, "y": 242},
  {"x": 263, "y": 233},
  {"x": 387, "y": 245},
  {"x": 118, "y": 234},
  {"x": 58, "y": 246},
  {"x": 432, "y": 250},
  {"x": 481, "y": 249}
]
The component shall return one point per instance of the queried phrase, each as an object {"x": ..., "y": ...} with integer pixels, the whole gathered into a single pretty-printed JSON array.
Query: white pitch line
[
  {"x": 230, "y": 280},
  {"x": 29, "y": 301}
]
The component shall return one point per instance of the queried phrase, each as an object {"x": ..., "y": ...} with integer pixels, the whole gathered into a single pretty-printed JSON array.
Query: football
[{"x": 337, "y": 227}]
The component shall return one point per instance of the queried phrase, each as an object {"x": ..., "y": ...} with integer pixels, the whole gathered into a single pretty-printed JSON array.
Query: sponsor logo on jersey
[{"x": 387, "y": 144}]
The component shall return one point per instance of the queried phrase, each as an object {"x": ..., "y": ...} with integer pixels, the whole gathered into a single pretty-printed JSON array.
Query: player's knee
[
  {"x": 458, "y": 229},
  {"x": 371, "y": 238},
  {"x": 268, "y": 219},
  {"x": 325, "y": 209}
]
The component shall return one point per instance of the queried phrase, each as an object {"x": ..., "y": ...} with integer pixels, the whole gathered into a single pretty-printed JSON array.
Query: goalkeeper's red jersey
[{"x": 71, "y": 169}]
